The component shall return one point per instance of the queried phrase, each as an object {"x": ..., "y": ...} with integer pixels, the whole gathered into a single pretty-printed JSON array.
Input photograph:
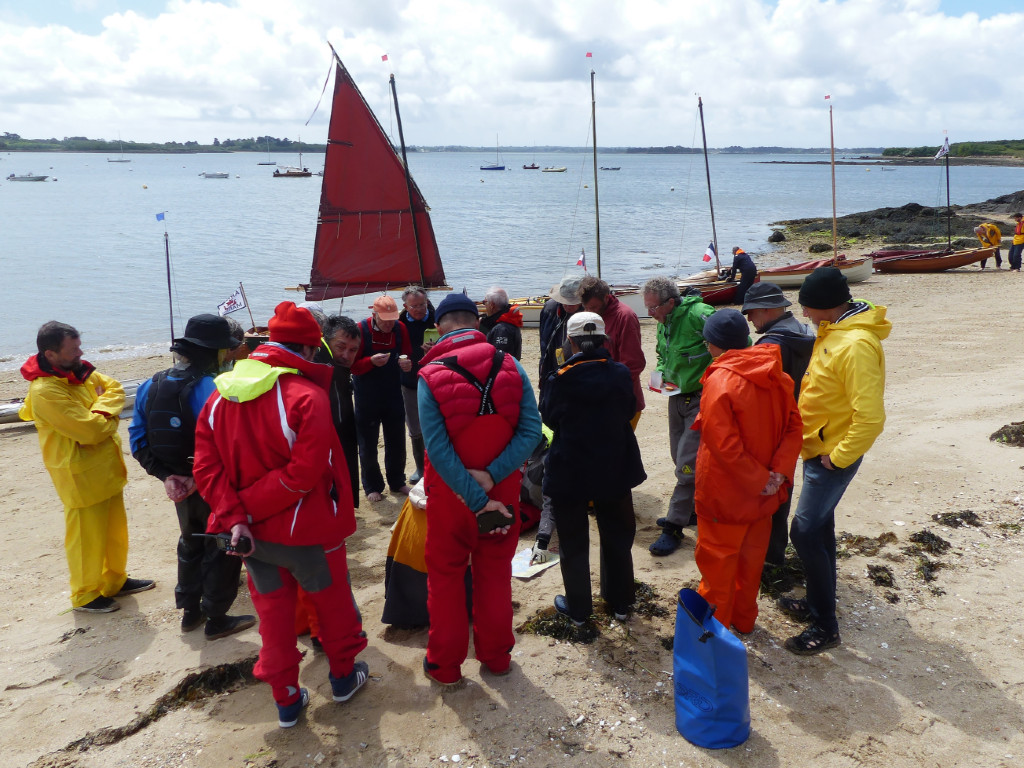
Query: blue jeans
[{"x": 814, "y": 536}]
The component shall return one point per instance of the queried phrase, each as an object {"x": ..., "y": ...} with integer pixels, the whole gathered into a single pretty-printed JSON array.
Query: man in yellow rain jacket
[
  {"x": 990, "y": 237},
  {"x": 76, "y": 411},
  {"x": 842, "y": 408}
]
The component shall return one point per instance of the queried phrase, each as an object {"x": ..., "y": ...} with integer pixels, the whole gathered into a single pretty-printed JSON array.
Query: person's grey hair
[
  {"x": 664, "y": 288},
  {"x": 497, "y": 295},
  {"x": 319, "y": 315},
  {"x": 413, "y": 290},
  {"x": 237, "y": 331}
]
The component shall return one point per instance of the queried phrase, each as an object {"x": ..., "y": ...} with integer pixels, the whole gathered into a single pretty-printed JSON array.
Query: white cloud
[{"x": 899, "y": 71}]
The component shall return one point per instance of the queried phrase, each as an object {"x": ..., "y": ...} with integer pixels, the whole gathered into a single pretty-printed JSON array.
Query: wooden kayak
[{"x": 793, "y": 275}]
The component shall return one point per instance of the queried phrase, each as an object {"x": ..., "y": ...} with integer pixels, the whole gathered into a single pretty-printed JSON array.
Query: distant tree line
[
  {"x": 12, "y": 142},
  {"x": 1001, "y": 148}
]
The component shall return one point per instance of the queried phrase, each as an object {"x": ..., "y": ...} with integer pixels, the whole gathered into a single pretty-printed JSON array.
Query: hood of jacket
[
  {"x": 512, "y": 316},
  {"x": 862, "y": 316},
  {"x": 761, "y": 365},
  {"x": 37, "y": 367},
  {"x": 258, "y": 373}
]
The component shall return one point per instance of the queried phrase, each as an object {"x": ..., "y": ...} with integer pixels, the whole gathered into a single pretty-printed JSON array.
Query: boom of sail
[{"x": 373, "y": 230}]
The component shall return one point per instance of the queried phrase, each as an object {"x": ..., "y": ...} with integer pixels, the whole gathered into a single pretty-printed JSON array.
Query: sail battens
[{"x": 370, "y": 180}]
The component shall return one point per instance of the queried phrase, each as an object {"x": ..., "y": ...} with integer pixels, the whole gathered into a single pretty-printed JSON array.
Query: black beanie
[
  {"x": 824, "y": 288},
  {"x": 727, "y": 329}
]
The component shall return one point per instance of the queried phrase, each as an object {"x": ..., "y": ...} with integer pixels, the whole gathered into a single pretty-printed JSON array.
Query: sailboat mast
[
  {"x": 949, "y": 211},
  {"x": 597, "y": 207},
  {"x": 408, "y": 179},
  {"x": 832, "y": 147},
  {"x": 707, "y": 171}
]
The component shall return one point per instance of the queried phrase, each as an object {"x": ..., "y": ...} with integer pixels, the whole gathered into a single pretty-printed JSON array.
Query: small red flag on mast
[
  {"x": 384, "y": 57},
  {"x": 590, "y": 55}
]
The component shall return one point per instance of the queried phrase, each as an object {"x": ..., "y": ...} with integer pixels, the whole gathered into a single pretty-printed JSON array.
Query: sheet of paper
[{"x": 521, "y": 567}]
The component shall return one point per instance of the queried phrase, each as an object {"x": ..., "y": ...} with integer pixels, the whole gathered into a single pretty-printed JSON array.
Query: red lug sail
[{"x": 365, "y": 241}]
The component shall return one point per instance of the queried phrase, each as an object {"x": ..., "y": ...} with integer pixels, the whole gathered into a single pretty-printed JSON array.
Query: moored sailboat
[{"x": 373, "y": 229}]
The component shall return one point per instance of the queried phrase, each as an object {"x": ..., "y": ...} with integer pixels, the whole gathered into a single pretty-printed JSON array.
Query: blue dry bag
[{"x": 710, "y": 671}]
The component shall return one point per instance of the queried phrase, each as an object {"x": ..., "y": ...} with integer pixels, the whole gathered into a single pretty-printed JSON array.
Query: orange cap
[{"x": 385, "y": 307}]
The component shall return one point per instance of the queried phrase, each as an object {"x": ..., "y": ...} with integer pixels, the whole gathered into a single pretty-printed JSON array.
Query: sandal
[
  {"x": 812, "y": 640},
  {"x": 794, "y": 607}
]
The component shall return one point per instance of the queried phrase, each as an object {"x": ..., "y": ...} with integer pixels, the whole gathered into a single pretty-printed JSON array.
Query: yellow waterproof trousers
[{"x": 96, "y": 543}]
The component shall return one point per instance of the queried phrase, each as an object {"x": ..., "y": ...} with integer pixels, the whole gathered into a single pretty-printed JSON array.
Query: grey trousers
[
  {"x": 683, "y": 442},
  {"x": 412, "y": 411}
]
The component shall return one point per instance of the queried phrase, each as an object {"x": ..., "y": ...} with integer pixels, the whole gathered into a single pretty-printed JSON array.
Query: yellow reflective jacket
[
  {"x": 77, "y": 426},
  {"x": 842, "y": 397}
]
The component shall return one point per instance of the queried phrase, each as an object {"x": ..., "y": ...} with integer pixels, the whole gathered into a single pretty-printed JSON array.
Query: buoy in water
[{"x": 144, "y": 186}]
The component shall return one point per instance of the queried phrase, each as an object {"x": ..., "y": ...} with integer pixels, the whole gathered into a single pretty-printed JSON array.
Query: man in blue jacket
[{"x": 163, "y": 438}]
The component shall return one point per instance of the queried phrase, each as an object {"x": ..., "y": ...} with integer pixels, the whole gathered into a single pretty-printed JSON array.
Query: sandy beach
[{"x": 929, "y": 674}]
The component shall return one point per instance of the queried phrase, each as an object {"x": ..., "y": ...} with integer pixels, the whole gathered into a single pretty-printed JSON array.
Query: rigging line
[
  {"x": 686, "y": 196},
  {"x": 575, "y": 210},
  {"x": 324, "y": 90}
]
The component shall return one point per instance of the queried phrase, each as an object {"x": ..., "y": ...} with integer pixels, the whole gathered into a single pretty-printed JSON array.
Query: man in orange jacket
[{"x": 750, "y": 437}]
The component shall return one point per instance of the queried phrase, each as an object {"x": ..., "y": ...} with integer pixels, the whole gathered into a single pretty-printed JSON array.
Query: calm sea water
[{"x": 87, "y": 248}]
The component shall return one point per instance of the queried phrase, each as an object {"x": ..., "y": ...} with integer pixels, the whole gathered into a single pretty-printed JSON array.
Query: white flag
[
  {"x": 233, "y": 303},
  {"x": 944, "y": 150}
]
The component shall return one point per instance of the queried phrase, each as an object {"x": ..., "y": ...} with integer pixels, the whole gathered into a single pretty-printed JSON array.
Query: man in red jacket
[
  {"x": 270, "y": 464},
  {"x": 750, "y": 437},
  {"x": 622, "y": 331}
]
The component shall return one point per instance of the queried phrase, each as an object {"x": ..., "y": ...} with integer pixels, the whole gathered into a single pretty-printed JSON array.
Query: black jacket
[{"x": 589, "y": 402}]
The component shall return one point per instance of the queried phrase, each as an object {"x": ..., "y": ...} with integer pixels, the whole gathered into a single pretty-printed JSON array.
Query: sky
[{"x": 899, "y": 72}]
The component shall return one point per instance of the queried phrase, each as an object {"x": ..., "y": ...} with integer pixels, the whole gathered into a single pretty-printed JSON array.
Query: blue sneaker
[
  {"x": 288, "y": 715},
  {"x": 562, "y": 607},
  {"x": 344, "y": 688}
]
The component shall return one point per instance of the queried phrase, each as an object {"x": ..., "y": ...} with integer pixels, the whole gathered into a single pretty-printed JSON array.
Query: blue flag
[{"x": 159, "y": 217}]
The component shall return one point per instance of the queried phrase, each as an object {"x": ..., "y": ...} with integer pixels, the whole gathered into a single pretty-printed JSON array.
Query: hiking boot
[
  {"x": 669, "y": 541},
  {"x": 99, "y": 605},
  {"x": 344, "y": 688},
  {"x": 429, "y": 669},
  {"x": 222, "y": 626},
  {"x": 191, "y": 619},
  {"x": 562, "y": 606},
  {"x": 131, "y": 586},
  {"x": 288, "y": 715}
]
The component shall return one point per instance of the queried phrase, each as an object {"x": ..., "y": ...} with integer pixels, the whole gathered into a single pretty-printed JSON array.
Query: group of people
[
  {"x": 259, "y": 454},
  {"x": 990, "y": 236}
]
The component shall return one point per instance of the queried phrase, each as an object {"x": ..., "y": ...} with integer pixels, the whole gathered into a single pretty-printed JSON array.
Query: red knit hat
[{"x": 294, "y": 325}]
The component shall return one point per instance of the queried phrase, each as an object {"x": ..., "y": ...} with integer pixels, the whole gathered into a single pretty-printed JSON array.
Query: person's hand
[
  {"x": 775, "y": 482},
  {"x": 494, "y": 504},
  {"x": 381, "y": 358},
  {"x": 405, "y": 363},
  {"x": 427, "y": 345},
  {"x": 483, "y": 477},
  {"x": 826, "y": 462},
  {"x": 540, "y": 555},
  {"x": 237, "y": 532},
  {"x": 176, "y": 487}
]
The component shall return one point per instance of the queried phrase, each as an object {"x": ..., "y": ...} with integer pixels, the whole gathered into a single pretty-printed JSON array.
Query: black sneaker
[
  {"x": 562, "y": 607},
  {"x": 100, "y": 605},
  {"x": 191, "y": 619},
  {"x": 222, "y": 626},
  {"x": 131, "y": 586},
  {"x": 344, "y": 688},
  {"x": 288, "y": 715}
]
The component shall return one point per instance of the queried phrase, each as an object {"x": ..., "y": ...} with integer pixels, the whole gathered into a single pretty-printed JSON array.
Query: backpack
[{"x": 170, "y": 423}]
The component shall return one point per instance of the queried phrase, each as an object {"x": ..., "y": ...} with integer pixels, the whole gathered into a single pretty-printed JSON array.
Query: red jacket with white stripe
[{"x": 267, "y": 453}]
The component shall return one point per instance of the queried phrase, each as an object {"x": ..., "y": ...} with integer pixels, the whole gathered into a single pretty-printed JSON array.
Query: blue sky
[{"x": 900, "y": 72}]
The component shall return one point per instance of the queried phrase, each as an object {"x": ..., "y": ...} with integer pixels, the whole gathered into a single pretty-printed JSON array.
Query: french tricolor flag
[
  {"x": 582, "y": 260},
  {"x": 709, "y": 254}
]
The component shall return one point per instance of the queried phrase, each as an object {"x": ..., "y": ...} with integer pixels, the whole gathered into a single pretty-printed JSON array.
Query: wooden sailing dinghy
[{"x": 373, "y": 230}]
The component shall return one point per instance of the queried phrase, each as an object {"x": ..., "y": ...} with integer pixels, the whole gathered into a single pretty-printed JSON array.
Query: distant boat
[
  {"x": 531, "y": 167},
  {"x": 121, "y": 159},
  {"x": 27, "y": 177},
  {"x": 498, "y": 165},
  {"x": 294, "y": 172},
  {"x": 615, "y": 168},
  {"x": 217, "y": 175},
  {"x": 268, "y": 161},
  {"x": 554, "y": 169}
]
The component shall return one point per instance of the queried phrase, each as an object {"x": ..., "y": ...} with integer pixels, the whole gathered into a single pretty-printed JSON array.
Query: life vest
[{"x": 170, "y": 423}]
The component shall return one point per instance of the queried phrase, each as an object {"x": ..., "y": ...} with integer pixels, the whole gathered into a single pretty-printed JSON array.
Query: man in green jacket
[{"x": 682, "y": 359}]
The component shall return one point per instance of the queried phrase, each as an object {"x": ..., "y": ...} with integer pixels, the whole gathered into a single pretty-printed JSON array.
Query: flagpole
[
  {"x": 949, "y": 210},
  {"x": 832, "y": 145},
  {"x": 707, "y": 170},
  {"x": 242, "y": 289},
  {"x": 408, "y": 180},
  {"x": 167, "y": 261},
  {"x": 597, "y": 209}
]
